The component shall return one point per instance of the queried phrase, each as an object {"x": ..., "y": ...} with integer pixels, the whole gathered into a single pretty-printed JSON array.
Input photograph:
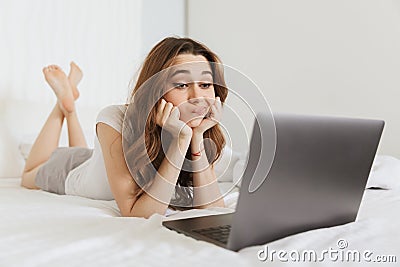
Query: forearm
[
  {"x": 157, "y": 197},
  {"x": 206, "y": 192}
]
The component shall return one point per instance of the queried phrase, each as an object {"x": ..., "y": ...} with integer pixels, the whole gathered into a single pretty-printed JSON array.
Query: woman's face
[{"x": 188, "y": 87}]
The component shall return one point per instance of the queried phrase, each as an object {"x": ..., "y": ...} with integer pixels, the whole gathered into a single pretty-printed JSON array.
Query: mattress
[{"x": 38, "y": 228}]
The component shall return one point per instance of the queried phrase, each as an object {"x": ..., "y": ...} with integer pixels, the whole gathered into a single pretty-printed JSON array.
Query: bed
[{"x": 38, "y": 228}]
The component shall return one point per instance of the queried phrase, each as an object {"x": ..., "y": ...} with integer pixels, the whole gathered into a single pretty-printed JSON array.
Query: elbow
[
  {"x": 127, "y": 214},
  {"x": 132, "y": 213},
  {"x": 146, "y": 214},
  {"x": 135, "y": 215}
]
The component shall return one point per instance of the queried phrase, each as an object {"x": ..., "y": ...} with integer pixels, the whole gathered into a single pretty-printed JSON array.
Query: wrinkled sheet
[{"x": 38, "y": 228}]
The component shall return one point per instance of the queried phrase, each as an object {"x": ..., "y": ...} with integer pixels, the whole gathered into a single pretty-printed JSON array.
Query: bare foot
[
  {"x": 58, "y": 81},
  {"x": 74, "y": 77}
]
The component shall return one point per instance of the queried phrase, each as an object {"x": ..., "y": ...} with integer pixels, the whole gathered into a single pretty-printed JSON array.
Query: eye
[
  {"x": 180, "y": 85},
  {"x": 205, "y": 85}
]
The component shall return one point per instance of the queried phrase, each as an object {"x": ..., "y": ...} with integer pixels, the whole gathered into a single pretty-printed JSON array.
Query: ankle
[{"x": 69, "y": 115}]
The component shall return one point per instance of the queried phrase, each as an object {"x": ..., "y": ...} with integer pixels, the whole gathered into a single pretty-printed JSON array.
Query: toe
[
  {"x": 75, "y": 66},
  {"x": 71, "y": 67}
]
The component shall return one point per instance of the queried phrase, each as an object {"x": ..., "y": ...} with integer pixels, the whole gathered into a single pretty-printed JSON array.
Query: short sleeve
[{"x": 113, "y": 116}]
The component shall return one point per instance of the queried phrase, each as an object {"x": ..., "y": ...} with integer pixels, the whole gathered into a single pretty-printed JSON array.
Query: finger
[
  {"x": 210, "y": 101},
  {"x": 167, "y": 111},
  {"x": 161, "y": 105},
  {"x": 216, "y": 114},
  {"x": 160, "y": 108},
  {"x": 218, "y": 101},
  {"x": 213, "y": 111},
  {"x": 175, "y": 112},
  {"x": 159, "y": 114}
]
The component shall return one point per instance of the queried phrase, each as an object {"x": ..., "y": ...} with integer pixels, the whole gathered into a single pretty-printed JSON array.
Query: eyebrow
[{"x": 205, "y": 72}]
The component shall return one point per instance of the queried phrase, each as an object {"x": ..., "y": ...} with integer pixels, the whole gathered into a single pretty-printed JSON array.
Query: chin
[{"x": 194, "y": 123}]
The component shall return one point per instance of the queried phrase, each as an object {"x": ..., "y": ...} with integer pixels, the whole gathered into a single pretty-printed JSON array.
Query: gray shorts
[{"x": 52, "y": 175}]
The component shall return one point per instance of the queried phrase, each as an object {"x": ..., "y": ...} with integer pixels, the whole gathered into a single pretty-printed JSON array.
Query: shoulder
[
  {"x": 112, "y": 110},
  {"x": 112, "y": 115}
]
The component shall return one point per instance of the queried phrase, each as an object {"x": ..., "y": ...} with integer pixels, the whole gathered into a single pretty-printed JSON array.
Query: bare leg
[
  {"x": 75, "y": 133},
  {"x": 48, "y": 138},
  {"x": 46, "y": 142},
  {"x": 66, "y": 91},
  {"x": 74, "y": 77}
]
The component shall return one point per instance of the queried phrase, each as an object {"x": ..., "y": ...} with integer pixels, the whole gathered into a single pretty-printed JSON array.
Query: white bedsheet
[{"x": 42, "y": 229}]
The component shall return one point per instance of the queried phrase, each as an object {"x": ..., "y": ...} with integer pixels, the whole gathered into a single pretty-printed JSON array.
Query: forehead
[{"x": 192, "y": 63}]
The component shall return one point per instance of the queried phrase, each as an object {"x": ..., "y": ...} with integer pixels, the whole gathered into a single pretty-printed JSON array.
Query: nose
[{"x": 196, "y": 95}]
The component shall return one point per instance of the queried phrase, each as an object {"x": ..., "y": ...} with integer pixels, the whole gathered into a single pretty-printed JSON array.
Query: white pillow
[
  {"x": 24, "y": 149},
  {"x": 385, "y": 173},
  {"x": 224, "y": 166},
  {"x": 238, "y": 170},
  {"x": 21, "y": 121},
  {"x": 14, "y": 118},
  {"x": 11, "y": 163}
]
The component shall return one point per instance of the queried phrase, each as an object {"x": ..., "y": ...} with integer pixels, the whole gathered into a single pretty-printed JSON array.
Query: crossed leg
[{"x": 47, "y": 141}]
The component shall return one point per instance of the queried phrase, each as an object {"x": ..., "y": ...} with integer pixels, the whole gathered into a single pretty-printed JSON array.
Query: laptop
[{"x": 317, "y": 179}]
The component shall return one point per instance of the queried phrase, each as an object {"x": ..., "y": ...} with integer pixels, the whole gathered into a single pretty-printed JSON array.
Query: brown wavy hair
[{"x": 142, "y": 136}]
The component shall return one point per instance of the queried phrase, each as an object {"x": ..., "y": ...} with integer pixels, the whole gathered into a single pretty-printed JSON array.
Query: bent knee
[{"x": 28, "y": 179}]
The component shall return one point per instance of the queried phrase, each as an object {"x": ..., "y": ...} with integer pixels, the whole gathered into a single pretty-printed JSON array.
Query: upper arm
[{"x": 123, "y": 187}]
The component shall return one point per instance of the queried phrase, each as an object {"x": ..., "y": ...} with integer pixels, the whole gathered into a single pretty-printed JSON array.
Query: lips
[{"x": 200, "y": 110}]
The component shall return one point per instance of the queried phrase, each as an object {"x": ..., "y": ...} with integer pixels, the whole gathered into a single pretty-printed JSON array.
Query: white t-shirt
[{"x": 90, "y": 178}]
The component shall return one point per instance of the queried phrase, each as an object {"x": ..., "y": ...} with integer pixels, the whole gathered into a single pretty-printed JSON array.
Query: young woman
[{"x": 184, "y": 109}]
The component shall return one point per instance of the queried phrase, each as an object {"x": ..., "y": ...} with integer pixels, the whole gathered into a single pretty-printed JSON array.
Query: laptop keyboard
[{"x": 219, "y": 233}]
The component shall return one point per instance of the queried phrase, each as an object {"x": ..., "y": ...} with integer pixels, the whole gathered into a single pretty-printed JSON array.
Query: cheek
[
  {"x": 174, "y": 97},
  {"x": 174, "y": 101},
  {"x": 211, "y": 94}
]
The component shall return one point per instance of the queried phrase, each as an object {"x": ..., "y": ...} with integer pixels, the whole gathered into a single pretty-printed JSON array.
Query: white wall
[
  {"x": 161, "y": 19},
  {"x": 337, "y": 57},
  {"x": 107, "y": 38}
]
